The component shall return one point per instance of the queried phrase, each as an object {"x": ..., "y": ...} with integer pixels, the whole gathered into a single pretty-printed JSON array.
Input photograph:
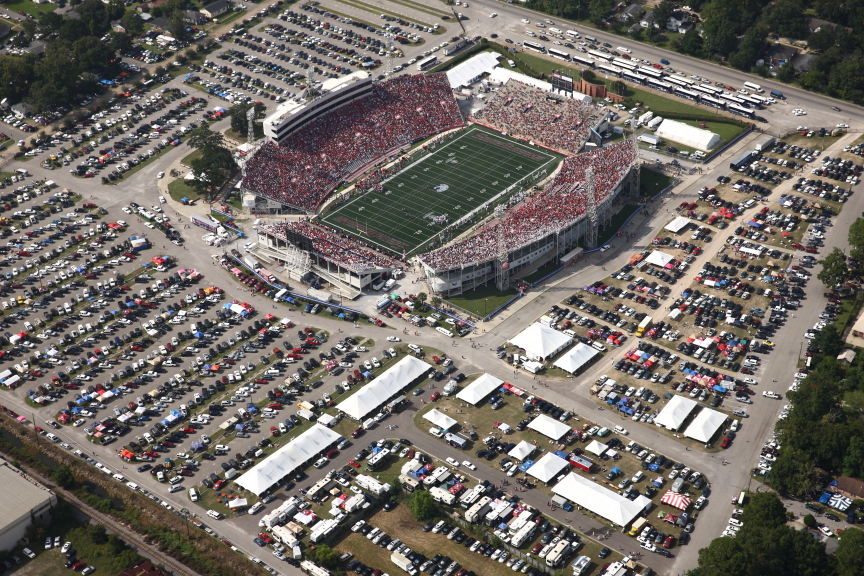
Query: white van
[
  {"x": 193, "y": 495},
  {"x": 444, "y": 331},
  {"x": 160, "y": 476},
  {"x": 214, "y": 514},
  {"x": 598, "y": 346},
  {"x": 369, "y": 424},
  {"x": 52, "y": 437}
]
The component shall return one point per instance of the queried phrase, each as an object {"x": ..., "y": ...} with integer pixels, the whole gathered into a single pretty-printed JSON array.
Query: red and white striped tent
[{"x": 676, "y": 500}]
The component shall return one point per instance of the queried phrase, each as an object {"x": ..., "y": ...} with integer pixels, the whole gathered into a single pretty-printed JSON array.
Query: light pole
[{"x": 485, "y": 302}]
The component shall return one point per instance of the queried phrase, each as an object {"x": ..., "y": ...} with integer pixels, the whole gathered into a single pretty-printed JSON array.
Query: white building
[{"x": 25, "y": 501}]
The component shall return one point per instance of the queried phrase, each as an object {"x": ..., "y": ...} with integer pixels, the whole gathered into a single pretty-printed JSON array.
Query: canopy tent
[
  {"x": 705, "y": 425},
  {"x": 467, "y": 72},
  {"x": 660, "y": 259},
  {"x": 386, "y": 386},
  {"x": 675, "y": 412},
  {"x": 596, "y": 448},
  {"x": 676, "y": 500},
  {"x": 479, "y": 389},
  {"x": 273, "y": 469},
  {"x": 688, "y": 135},
  {"x": 522, "y": 450},
  {"x": 678, "y": 224},
  {"x": 602, "y": 501},
  {"x": 237, "y": 503},
  {"x": 541, "y": 341},
  {"x": 548, "y": 467},
  {"x": 549, "y": 427},
  {"x": 576, "y": 358},
  {"x": 840, "y": 502},
  {"x": 439, "y": 419}
]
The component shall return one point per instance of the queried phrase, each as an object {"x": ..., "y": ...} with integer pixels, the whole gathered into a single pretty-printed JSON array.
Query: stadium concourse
[
  {"x": 525, "y": 111},
  {"x": 559, "y": 205},
  {"x": 320, "y": 156}
]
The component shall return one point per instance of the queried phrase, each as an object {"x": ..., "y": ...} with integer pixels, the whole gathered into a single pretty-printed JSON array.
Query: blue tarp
[
  {"x": 825, "y": 498},
  {"x": 720, "y": 388},
  {"x": 526, "y": 465}
]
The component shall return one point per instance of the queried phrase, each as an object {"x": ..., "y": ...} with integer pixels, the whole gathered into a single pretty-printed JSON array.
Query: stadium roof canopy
[
  {"x": 688, "y": 135},
  {"x": 541, "y": 341},
  {"x": 469, "y": 71},
  {"x": 549, "y": 427},
  {"x": 479, "y": 389},
  {"x": 675, "y": 412},
  {"x": 548, "y": 467},
  {"x": 386, "y": 386},
  {"x": 705, "y": 425},
  {"x": 678, "y": 224},
  {"x": 658, "y": 258},
  {"x": 575, "y": 358},
  {"x": 522, "y": 450},
  {"x": 439, "y": 419},
  {"x": 602, "y": 501},
  {"x": 284, "y": 461}
]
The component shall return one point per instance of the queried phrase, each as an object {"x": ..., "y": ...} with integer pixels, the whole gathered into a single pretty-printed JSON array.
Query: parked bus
[
  {"x": 750, "y": 101},
  {"x": 609, "y": 69},
  {"x": 600, "y": 56},
  {"x": 634, "y": 77},
  {"x": 577, "y": 59},
  {"x": 659, "y": 85},
  {"x": 650, "y": 72},
  {"x": 713, "y": 102},
  {"x": 688, "y": 94},
  {"x": 732, "y": 98},
  {"x": 711, "y": 89},
  {"x": 753, "y": 87},
  {"x": 560, "y": 54},
  {"x": 740, "y": 111},
  {"x": 625, "y": 64},
  {"x": 534, "y": 46},
  {"x": 427, "y": 63}
]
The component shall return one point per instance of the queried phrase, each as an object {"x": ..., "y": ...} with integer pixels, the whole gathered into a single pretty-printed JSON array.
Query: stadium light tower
[
  {"x": 590, "y": 208},
  {"x": 502, "y": 274},
  {"x": 388, "y": 66},
  {"x": 635, "y": 170}
]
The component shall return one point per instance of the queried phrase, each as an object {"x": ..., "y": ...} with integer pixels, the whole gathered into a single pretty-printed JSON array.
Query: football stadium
[{"x": 386, "y": 171}]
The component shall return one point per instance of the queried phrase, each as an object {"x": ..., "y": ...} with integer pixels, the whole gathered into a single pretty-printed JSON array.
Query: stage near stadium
[{"x": 441, "y": 190}]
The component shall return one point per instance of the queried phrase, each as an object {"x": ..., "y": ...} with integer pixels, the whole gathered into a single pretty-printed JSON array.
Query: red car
[
  {"x": 332, "y": 454},
  {"x": 260, "y": 381},
  {"x": 537, "y": 547},
  {"x": 219, "y": 484},
  {"x": 357, "y": 433},
  {"x": 724, "y": 444},
  {"x": 658, "y": 66},
  {"x": 275, "y": 405},
  {"x": 274, "y": 431},
  {"x": 354, "y": 463},
  {"x": 136, "y": 348},
  {"x": 435, "y": 396}
]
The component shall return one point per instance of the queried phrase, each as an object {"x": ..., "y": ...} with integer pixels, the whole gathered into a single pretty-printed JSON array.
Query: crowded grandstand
[
  {"x": 340, "y": 145},
  {"x": 551, "y": 219}
]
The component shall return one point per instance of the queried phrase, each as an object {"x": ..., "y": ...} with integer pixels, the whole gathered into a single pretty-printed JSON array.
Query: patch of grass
[
  {"x": 608, "y": 233},
  {"x": 180, "y": 189},
  {"x": 541, "y": 272},
  {"x": 482, "y": 301},
  {"x": 379, "y": 11},
  {"x": 422, "y": 8},
  {"x": 187, "y": 160},
  {"x": 726, "y": 131},
  {"x": 231, "y": 17},
  {"x": 651, "y": 182},
  {"x": 29, "y": 7}
]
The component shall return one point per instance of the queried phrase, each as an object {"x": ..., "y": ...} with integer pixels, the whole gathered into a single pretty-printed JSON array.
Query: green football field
[{"x": 421, "y": 205}]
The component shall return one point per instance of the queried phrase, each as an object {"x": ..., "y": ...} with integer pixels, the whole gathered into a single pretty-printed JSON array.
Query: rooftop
[{"x": 23, "y": 494}]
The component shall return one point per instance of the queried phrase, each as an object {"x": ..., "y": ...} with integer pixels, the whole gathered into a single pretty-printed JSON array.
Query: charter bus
[
  {"x": 634, "y": 77},
  {"x": 678, "y": 81},
  {"x": 427, "y": 63},
  {"x": 703, "y": 90},
  {"x": 732, "y": 98},
  {"x": 712, "y": 89},
  {"x": 625, "y": 64},
  {"x": 609, "y": 69},
  {"x": 714, "y": 102},
  {"x": 753, "y": 87},
  {"x": 750, "y": 101},
  {"x": 651, "y": 72},
  {"x": 684, "y": 93},
  {"x": 534, "y": 46},
  {"x": 659, "y": 85},
  {"x": 740, "y": 111},
  {"x": 600, "y": 56},
  {"x": 583, "y": 61},
  {"x": 560, "y": 54}
]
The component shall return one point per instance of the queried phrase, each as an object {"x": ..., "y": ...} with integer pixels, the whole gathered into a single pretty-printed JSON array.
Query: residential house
[
  {"x": 117, "y": 26},
  {"x": 779, "y": 54},
  {"x": 160, "y": 23},
  {"x": 678, "y": 19},
  {"x": 631, "y": 13},
  {"x": 846, "y": 357},
  {"x": 803, "y": 62},
  {"x": 216, "y": 9},
  {"x": 815, "y": 24},
  {"x": 850, "y": 487},
  {"x": 148, "y": 6},
  {"x": 194, "y": 17},
  {"x": 647, "y": 20},
  {"x": 855, "y": 337}
]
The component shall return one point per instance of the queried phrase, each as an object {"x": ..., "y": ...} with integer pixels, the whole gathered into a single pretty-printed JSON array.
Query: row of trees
[
  {"x": 214, "y": 165},
  {"x": 835, "y": 267}
]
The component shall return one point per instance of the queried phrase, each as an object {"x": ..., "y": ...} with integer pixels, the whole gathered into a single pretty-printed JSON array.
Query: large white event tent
[
  {"x": 596, "y": 448},
  {"x": 439, "y": 419},
  {"x": 548, "y": 467},
  {"x": 602, "y": 501},
  {"x": 677, "y": 224},
  {"x": 383, "y": 388},
  {"x": 658, "y": 258},
  {"x": 522, "y": 450},
  {"x": 273, "y": 469},
  {"x": 675, "y": 412},
  {"x": 540, "y": 341},
  {"x": 705, "y": 425},
  {"x": 688, "y": 135},
  {"x": 479, "y": 389},
  {"x": 576, "y": 358},
  {"x": 549, "y": 427}
]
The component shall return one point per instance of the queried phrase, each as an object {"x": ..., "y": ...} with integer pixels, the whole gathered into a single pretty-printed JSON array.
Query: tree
[
  {"x": 748, "y": 50},
  {"x": 435, "y": 301},
  {"x": 723, "y": 557},
  {"x": 421, "y": 298},
  {"x": 121, "y": 42},
  {"x": 856, "y": 238},
  {"x": 588, "y": 75},
  {"x": 617, "y": 87},
  {"x": 239, "y": 123},
  {"x": 809, "y": 521},
  {"x": 662, "y": 13},
  {"x": 132, "y": 22},
  {"x": 691, "y": 43},
  {"x": 598, "y": 10},
  {"x": 324, "y": 556},
  {"x": 792, "y": 473},
  {"x": 212, "y": 170},
  {"x": 765, "y": 510},
  {"x": 786, "y": 72},
  {"x": 850, "y": 553},
  {"x": 834, "y": 270},
  {"x": 853, "y": 461},
  {"x": 63, "y": 476},
  {"x": 829, "y": 341},
  {"x": 205, "y": 138},
  {"x": 98, "y": 534},
  {"x": 422, "y": 506},
  {"x": 177, "y": 25},
  {"x": 822, "y": 39},
  {"x": 787, "y": 18}
]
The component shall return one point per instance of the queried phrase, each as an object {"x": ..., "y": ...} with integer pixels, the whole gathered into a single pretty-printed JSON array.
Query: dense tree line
[{"x": 738, "y": 31}]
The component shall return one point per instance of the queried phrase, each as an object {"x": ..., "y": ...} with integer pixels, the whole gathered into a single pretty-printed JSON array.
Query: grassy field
[
  {"x": 608, "y": 233},
  {"x": 452, "y": 180},
  {"x": 180, "y": 189},
  {"x": 483, "y": 300},
  {"x": 725, "y": 131},
  {"x": 651, "y": 182},
  {"x": 29, "y": 7},
  {"x": 541, "y": 272}
]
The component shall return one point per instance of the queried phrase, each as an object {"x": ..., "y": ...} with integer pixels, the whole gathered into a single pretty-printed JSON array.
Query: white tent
[
  {"x": 705, "y": 425},
  {"x": 600, "y": 500},
  {"x": 270, "y": 471},
  {"x": 678, "y": 224},
  {"x": 237, "y": 503},
  {"x": 479, "y": 389},
  {"x": 386, "y": 386},
  {"x": 658, "y": 258},
  {"x": 548, "y": 467},
  {"x": 576, "y": 358},
  {"x": 549, "y": 427},
  {"x": 439, "y": 419},
  {"x": 688, "y": 135},
  {"x": 541, "y": 341},
  {"x": 522, "y": 450},
  {"x": 675, "y": 412},
  {"x": 469, "y": 71},
  {"x": 596, "y": 447}
]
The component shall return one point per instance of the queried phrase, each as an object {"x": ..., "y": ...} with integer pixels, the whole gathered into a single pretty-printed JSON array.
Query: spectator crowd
[
  {"x": 331, "y": 245},
  {"x": 526, "y": 112},
  {"x": 560, "y": 204},
  {"x": 318, "y": 157}
]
